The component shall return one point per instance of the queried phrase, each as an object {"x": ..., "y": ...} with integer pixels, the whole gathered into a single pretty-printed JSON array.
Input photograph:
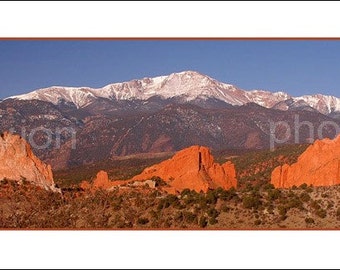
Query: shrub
[
  {"x": 304, "y": 186},
  {"x": 213, "y": 213},
  {"x": 189, "y": 217},
  {"x": 159, "y": 181},
  {"x": 257, "y": 222},
  {"x": 268, "y": 186},
  {"x": 170, "y": 200},
  {"x": 330, "y": 205},
  {"x": 273, "y": 194},
  {"x": 191, "y": 197},
  {"x": 213, "y": 221},
  {"x": 225, "y": 208},
  {"x": 228, "y": 195},
  {"x": 309, "y": 189},
  {"x": 143, "y": 221},
  {"x": 211, "y": 197},
  {"x": 315, "y": 205},
  {"x": 294, "y": 203},
  {"x": 179, "y": 217},
  {"x": 185, "y": 192},
  {"x": 338, "y": 212},
  {"x": 251, "y": 202},
  {"x": 305, "y": 197},
  {"x": 282, "y": 210},
  {"x": 309, "y": 220},
  {"x": 321, "y": 213},
  {"x": 203, "y": 222}
]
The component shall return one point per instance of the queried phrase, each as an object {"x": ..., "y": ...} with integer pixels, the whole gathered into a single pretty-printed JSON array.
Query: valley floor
[{"x": 261, "y": 207}]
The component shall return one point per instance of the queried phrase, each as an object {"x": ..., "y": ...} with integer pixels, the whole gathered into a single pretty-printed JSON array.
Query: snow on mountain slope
[
  {"x": 324, "y": 104},
  {"x": 188, "y": 85},
  {"x": 265, "y": 98},
  {"x": 78, "y": 96}
]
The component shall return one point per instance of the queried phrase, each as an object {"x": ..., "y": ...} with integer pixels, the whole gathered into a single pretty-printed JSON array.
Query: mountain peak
[{"x": 188, "y": 85}]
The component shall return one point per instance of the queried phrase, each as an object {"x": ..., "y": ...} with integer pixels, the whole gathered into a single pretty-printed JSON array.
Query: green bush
[
  {"x": 309, "y": 189},
  {"x": 170, "y": 200},
  {"x": 203, "y": 222},
  {"x": 251, "y": 202},
  {"x": 159, "y": 181},
  {"x": 273, "y": 194},
  {"x": 295, "y": 203},
  {"x": 213, "y": 213},
  {"x": 303, "y": 186},
  {"x": 185, "y": 192},
  {"x": 189, "y": 217},
  {"x": 211, "y": 197},
  {"x": 305, "y": 197},
  {"x": 268, "y": 186}
]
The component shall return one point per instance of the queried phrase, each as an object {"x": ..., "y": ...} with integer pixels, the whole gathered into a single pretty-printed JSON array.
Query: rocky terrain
[
  {"x": 141, "y": 203},
  {"x": 82, "y": 126}
]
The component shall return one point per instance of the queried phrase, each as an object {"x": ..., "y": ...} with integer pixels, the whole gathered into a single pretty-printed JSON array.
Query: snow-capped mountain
[{"x": 187, "y": 85}]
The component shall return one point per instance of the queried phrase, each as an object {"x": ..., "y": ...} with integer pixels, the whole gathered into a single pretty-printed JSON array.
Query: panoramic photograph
[{"x": 169, "y": 134}]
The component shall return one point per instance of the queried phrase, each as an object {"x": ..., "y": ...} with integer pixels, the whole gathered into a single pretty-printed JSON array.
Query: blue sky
[{"x": 297, "y": 67}]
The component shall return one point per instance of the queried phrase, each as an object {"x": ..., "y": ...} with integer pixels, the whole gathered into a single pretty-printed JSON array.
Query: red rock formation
[
  {"x": 319, "y": 165},
  {"x": 17, "y": 162},
  {"x": 102, "y": 181},
  {"x": 192, "y": 168}
]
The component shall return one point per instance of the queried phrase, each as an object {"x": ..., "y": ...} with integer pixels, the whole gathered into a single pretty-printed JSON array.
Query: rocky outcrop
[
  {"x": 319, "y": 165},
  {"x": 17, "y": 162},
  {"x": 101, "y": 181},
  {"x": 192, "y": 168}
]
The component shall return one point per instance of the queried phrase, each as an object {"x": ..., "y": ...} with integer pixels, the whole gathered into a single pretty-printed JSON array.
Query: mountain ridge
[{"x": 186, "y": 85}]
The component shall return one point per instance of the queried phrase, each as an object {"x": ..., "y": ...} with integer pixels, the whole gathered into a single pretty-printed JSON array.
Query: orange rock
[
  {"x": 17, "y": 162},
  {"x": 192, "y": 168},
  {"x": 102, "y": 181},
  {"x": 319, "y": 165},
  {"x": 85, "y": 185}
]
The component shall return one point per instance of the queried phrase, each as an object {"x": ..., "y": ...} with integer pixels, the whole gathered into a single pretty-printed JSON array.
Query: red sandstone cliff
[
  {"x": 192, "y": 168},
  {"x": 319, "y": 165},
  {"x": 17, "y": 162}
]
